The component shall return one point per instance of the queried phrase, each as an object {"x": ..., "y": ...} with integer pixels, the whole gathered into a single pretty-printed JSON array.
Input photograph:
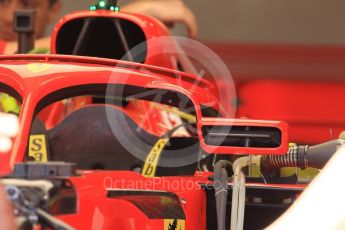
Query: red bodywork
[
  {"x": 94, "y": 208},
  {"x": 282, "y": 126},
  {"x": 33, "y": 87}
]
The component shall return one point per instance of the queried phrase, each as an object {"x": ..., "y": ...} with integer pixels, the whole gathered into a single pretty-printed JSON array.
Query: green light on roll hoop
[{"x": 106, "y": 5}]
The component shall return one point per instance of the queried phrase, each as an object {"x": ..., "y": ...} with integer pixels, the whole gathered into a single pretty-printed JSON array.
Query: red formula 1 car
[{"x": 152, "y": 149}]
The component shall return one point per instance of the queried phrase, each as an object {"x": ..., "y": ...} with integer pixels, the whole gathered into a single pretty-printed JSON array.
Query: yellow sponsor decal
[
  {"x": 292, "y": 144},
  {"x": 151, "y": 161},
  {"x": 38, "y": 67},
  {"x": 174, "y": 224},
  {"x": 38, "y": 148}
]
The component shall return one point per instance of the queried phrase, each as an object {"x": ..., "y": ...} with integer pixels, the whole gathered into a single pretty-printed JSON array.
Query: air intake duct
[{"x": 301, "y": 156}]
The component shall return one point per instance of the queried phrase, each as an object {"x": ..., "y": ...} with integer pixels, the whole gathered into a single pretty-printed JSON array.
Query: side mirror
[{"x": 238, "y": 136}]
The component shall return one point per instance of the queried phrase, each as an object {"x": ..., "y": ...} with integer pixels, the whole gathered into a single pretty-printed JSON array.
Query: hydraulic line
[
  {"x": 221, "y": 177},
  {"x": 238, "y": 194},
  {"x": 241, "y": 202}
]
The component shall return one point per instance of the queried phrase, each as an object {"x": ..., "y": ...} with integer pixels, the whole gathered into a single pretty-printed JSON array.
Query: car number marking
[
  {"x": 174, "y": 224},
  {"x": 151, "y": 161},
  {"x": 38, "y": 148}
]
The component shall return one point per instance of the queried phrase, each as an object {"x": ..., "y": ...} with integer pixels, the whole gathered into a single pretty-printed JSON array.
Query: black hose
[
  {"x": 302, "y": 156},
  {"x": 51, "y": 221},
  {"x": 295, "y": 157},
  {"x": 221, "y": 169}
]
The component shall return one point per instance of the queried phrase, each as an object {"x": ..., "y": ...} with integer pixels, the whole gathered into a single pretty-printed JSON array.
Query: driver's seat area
[{"x": 86, "y": 138}]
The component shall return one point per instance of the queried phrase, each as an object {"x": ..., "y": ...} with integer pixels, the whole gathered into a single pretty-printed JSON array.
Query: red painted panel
[{"x": 313, "y": 110}]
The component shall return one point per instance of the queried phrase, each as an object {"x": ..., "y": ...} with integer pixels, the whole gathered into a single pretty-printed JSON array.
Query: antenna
[{"x": 24, "y": 25}]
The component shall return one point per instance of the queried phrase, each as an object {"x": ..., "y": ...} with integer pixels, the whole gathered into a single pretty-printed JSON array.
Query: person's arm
[
  {"x": 8, "y": 129},
  {"x": 2, "y": 46},
  {"x": 6, "y": 212},
  {"x": 168, "y": 11}
]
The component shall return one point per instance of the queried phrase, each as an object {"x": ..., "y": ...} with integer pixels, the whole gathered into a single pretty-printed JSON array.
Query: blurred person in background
[
  {"x": 47, "y": 11},
  {"x": 6, "y": 212},
  {"x": 8, "y": 129}
]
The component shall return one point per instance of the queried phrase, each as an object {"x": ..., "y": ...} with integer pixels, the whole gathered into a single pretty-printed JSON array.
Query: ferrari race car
[{"x": 116, "y": 133}]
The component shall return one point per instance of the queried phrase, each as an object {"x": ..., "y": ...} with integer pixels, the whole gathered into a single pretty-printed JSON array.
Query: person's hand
[
  {"x": 8, "y": 129},
  {"x": 167, "y": 11},
  {"x": 6, "y": 212}
]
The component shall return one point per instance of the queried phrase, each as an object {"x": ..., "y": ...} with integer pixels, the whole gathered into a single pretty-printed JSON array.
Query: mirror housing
[{"x": 241, "y": 136}]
